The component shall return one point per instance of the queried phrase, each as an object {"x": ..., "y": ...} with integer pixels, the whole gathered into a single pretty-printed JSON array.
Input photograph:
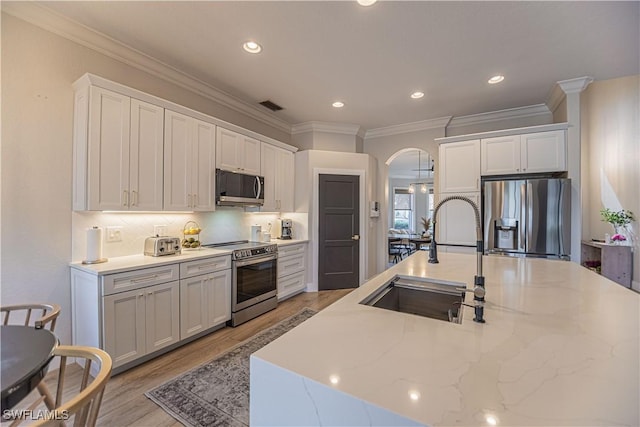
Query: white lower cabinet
[
  {"x": 292, "y": 260},
  {"x": 136, "y": 314},
  {"x": 205, "y": 302},
  {"x": 141, "y": 321},
  {"x": 457, "y": 221}
]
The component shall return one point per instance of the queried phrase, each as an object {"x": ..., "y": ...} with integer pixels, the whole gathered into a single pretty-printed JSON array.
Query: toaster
[{"x": 161, "y": 245}]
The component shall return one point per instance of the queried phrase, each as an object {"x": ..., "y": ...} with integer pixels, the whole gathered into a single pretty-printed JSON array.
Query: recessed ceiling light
[
  {"x": 338, "y": 104},
  {"x": 366, "y": 2},
  {"x": 417, "y": 95},
  {"x": 496, "y": 79},
  {"x": 252, "y": 47}
]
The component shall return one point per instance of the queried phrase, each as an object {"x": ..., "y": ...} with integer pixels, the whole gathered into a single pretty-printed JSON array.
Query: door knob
[{"x": 355, "y": 237}]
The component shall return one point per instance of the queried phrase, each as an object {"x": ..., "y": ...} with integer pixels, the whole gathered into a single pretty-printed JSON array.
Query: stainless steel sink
[{"x": 423, "y": 297}]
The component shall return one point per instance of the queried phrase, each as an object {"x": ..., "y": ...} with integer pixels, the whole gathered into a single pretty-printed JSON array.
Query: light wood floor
[{"x": 124, "y": 402}]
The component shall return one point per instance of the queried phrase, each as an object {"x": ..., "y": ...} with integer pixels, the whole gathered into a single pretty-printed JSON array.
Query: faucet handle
[{"x": 478, "y": 291}]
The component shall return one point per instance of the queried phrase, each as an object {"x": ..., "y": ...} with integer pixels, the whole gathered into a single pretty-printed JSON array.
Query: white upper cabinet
[
  {"x": 500, "y": 155},
  {"x": 526, "y": 153},
  {"x": 189, "y": 163},
  {"x": 118, "y": 149},
  {"x": 277, "y": 167},
  {"x": 146, "y": 156},
  {"x": 237, "y": 152},
  {"x": 459, "y": 166},
  {"x": 543, "y": 152},
  {"x": 133, "y": 151}
]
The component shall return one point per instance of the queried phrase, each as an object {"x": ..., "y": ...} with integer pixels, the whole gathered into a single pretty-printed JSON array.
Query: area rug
[{"x": 217, "y": 393}]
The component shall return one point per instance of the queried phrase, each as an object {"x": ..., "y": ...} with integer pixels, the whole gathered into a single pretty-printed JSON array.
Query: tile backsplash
[{"x": 223, "y": 225}]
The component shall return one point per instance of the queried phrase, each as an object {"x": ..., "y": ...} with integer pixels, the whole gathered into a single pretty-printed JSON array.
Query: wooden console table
[{"x": 616, "y": 261}]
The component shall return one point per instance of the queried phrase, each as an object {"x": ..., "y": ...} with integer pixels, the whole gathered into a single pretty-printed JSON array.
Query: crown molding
[
  {"x": 505, "y": 132},
  {"x": 53, "y": 22},
  {"x": 576, "y": 85},
  {"x": 328, "y": 127},
  {"x": 437, "y": 123},
  {"x": 555, "y": 98},
  {"x": 494, "y": 116}
]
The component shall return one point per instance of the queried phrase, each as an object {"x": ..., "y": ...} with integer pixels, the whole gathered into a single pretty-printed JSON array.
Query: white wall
[
  {"x": 38, "y": 69},
  {"x": 384, "y": 148},
  {"x": 611, "y": 144}
]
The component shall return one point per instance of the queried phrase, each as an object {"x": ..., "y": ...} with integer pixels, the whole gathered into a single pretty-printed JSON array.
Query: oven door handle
[{"x": 251, "y": 261}]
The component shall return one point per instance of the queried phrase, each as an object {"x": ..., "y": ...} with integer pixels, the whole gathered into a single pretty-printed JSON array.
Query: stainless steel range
[{"x": 254, "y": 272}]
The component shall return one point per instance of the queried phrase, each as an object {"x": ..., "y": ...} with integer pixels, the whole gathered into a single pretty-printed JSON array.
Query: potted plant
[
  {"x": 619, "y": 221},
  {"x": 426, "y": 224}
]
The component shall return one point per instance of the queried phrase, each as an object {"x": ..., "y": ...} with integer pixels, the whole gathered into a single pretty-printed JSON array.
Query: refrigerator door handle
[
  {"x": 563, "y": 215},
  {"x": 522, "y": 226},
  {"x": 560, "y": 222}
]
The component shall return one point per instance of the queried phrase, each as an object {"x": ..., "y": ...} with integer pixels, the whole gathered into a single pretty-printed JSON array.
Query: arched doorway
[{"x": 410, "y": 197}]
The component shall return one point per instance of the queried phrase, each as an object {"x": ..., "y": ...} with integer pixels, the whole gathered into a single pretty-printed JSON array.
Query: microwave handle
[{"x": 259, "y": 185}]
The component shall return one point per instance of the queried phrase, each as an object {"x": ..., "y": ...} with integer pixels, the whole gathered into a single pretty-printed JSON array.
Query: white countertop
[
  {"x": 132, "y": 262},
  {"x": 560, "y": 347}
]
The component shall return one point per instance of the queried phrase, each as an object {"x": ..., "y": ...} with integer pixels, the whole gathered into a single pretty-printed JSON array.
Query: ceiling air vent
[{"x": 271, "y": 105}]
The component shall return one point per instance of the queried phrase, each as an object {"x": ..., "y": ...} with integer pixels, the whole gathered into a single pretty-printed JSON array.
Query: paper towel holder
[{"x": 97, "y": 261}]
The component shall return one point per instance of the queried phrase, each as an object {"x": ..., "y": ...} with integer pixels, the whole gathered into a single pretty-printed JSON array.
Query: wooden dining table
[{"x": 25, "y": 354}]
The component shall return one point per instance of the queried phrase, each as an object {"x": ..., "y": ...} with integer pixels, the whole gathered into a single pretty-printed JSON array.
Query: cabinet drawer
[
  {"x": 285, "y": 251},
  {"x": 291, "y": 284},
  {"x": 204, "y": 266},
  {"x": 290, "y": 265},
  {"x": 120, "y": 282}
]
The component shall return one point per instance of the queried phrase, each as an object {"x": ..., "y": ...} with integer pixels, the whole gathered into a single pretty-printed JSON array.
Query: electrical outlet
[
  {"x": 160, "y": 230},
  {"x": 114, "y": 234}
]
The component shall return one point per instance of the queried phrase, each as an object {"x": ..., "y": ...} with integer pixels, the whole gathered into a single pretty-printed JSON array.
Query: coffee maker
[{"x": 284, "y": 230}]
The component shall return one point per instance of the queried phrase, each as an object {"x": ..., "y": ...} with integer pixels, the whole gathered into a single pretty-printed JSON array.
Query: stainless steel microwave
[{"x": 238, "y": 189}]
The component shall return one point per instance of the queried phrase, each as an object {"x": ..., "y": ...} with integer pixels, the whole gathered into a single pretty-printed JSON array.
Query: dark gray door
[{"x": 339, "y": 225}]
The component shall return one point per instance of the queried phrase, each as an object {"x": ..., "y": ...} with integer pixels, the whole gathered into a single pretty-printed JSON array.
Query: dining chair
[
  {"x": 81, "y": 401},
  {"x": 44, "y": 314},
  {"x": 397, "y": 250},
  {"x": 49, "y": 314}
]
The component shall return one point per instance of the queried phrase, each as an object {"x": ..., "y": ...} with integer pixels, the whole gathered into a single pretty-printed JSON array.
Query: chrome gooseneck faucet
[{"x": 478, "y": 280}]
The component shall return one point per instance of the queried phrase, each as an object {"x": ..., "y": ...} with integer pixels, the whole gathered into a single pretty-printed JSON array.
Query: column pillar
[{"x": 572, "y": 89}]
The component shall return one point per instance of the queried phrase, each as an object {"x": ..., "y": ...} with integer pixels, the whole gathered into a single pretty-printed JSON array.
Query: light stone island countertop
[
  {"x": 560, "y": 346},
  {"x": 133, "y": 262}
]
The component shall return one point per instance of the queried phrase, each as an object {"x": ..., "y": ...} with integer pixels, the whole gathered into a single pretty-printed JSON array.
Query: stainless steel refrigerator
[{"x": 528, "y": 217}]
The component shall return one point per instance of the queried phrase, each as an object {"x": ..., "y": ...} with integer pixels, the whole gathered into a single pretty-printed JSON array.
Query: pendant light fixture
[{"x": 423, "y": 185}]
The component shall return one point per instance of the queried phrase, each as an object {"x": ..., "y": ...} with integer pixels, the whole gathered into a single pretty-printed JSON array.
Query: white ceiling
[{"x": 373, "y": 58}]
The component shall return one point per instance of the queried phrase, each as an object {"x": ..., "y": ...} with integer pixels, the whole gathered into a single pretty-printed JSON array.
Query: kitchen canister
[
  {"x": 256, "y": 233},
  {"x": 94, "y": 246}
]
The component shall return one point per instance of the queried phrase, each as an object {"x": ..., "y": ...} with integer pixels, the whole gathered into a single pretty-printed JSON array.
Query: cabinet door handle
[
  {"x": 189, "y": 200},
  {"x": 134, "y": 198},
  {"x": 140, "y": 295},
  {"x": 144, "y": 279},
  {"x": 195, "y": 200},
  {"x": 149, "y": 293},
  {"x": 125, "y": 198}
]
